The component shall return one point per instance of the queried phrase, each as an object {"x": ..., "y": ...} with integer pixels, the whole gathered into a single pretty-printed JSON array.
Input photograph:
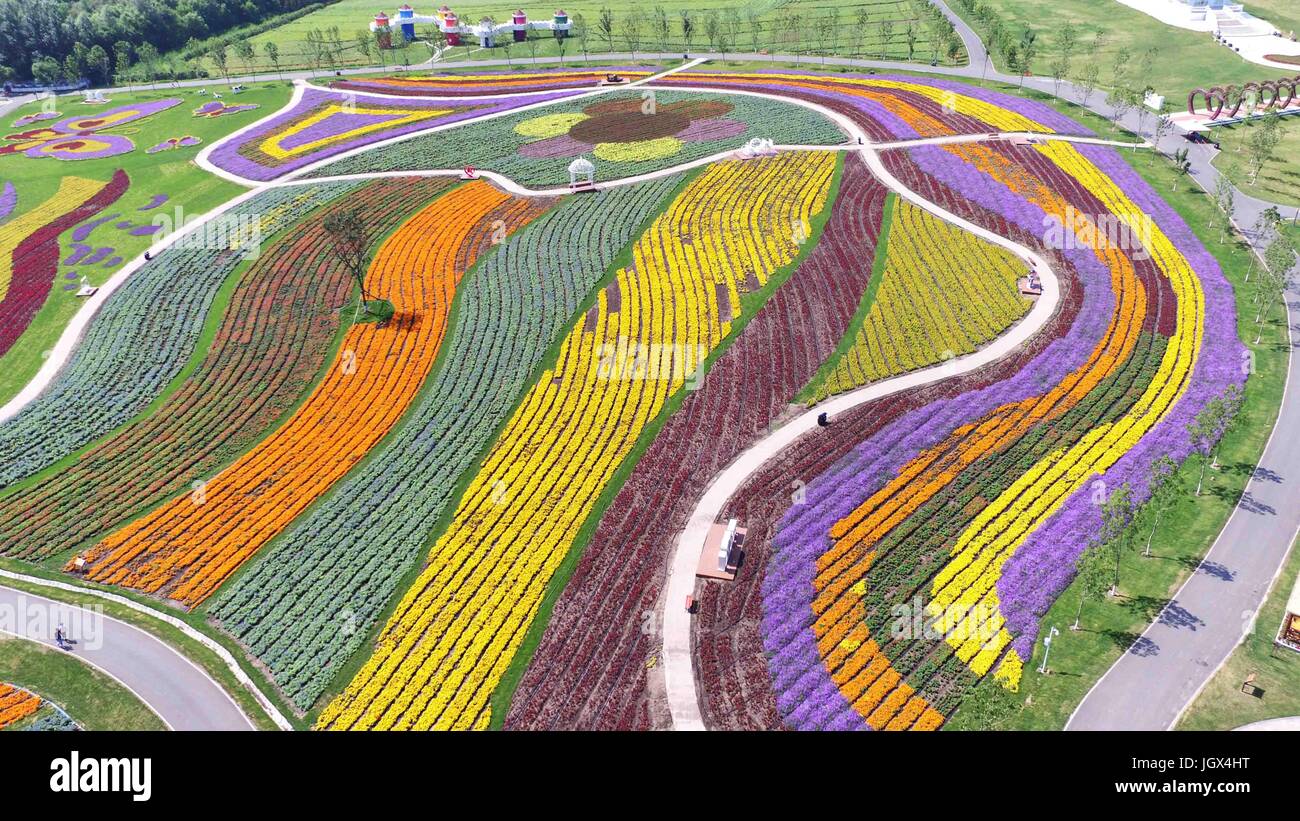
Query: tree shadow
[
  {"x": 1180, "y": 618},
  {"x": 1217, "y": 570},
  {"x": 1250, "y": 504},
  {"x": 1145, "y": 608}
]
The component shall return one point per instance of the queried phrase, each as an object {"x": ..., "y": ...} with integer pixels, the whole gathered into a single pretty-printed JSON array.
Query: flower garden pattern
[
  {"x": 16, "y": 704},
  {"x": 185, "y": 549}
]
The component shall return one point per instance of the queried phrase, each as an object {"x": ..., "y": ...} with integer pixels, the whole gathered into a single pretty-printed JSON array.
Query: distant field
[
  {"x": 353, "y": 16},
  {"x": 1187, "y": 59}
]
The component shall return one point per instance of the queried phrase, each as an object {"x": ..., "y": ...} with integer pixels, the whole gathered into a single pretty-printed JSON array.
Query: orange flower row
[
  {"x": 187, "y": 548},
  {"x": 16, "y": 704}
]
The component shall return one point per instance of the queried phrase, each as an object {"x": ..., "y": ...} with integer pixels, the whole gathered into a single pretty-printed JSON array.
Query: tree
[
  {"x": 1182, "y": 165},
  {"x": 148, "y": 54},
  {"x": 1207, "y": 428},
  {"x": 97, "y": 64},
  {"x": 1120, "y": 100},
  {"x": 712, "y": 27},
  {"x": 364, "y": 44},
  {"x": 217, "y": 54},
  {"x": 861, "y": 27},
  {"x": 731, "y": 23},
  {"x": 1262, "y": 143},
  {"x": 1028, "y": 50},
  {"x": 581, "y": 31},
  {"x": 688, "y": 29},
  {"x": 46, "y": 71},
  {"x": 122, "y": 60},
  {"x": 1163, "y": 487},
  {"x": 245, "y": 52},
  {"x": 1274, "y": 279},
  {"x": 1087, "y": 81},
  {"x": 886, "y": 34},
  {"x": 273, "y": 54},
  {"x": 633, "y": 24},
  {"x": 828, "y": 26},
  {"x": 661, "y": 27},
  {"x": 1066, "y": 39},
  {"x": 351, "y": 247},
  {"x": 755, "y": 29},
  {"x": 1164, "y": 125},
  {"x": 605, "y": 25},
  {"x": 1093, "y": 577},
  {"x": 1262, "y": 232},
  {"x": 1116, "y": 524},
  {"x": 1225, "y": 196}
]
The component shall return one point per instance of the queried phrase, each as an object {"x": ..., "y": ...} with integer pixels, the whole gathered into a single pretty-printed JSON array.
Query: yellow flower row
[
  {"x": 273, "y": 145},
  {"x": 456, "y": 630},
  {"x": 943, "y": 293}
]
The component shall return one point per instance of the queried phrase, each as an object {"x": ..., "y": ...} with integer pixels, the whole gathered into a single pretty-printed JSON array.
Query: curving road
[{"x": 176, "y": 689}]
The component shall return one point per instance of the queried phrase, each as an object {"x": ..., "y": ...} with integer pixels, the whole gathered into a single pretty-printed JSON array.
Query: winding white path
[{"x": 679, "y": 674}]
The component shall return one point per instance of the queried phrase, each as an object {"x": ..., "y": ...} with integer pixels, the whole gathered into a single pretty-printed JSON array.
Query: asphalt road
[{"x": 182, "y": 695}]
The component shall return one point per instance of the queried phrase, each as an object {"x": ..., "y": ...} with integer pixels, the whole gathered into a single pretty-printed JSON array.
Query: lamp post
[{"x": 1047, "y": 648}]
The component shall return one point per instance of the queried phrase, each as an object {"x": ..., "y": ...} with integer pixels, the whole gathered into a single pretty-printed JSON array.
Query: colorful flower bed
[
  {"x": 271, "y": 344},
  {"x": 84, "y": 138},
  {"x": 143, "y": 335},
  {"x": 288, "y": 607},
  {"x": 217, "y": 108},
  {"x": 733, "y": 226},
  {"x": 185, "y": 550},
  {"x": 173, "y": 143},
  {"x": 535, "y": 149},
  {"x": 944, "y": 293},
  {"x": 29, "y": 248},
  {"x": 16, "y": 704},
  {"x": 590, "y": 669},
  {"x": 467, "y": 85},
  {"x": 323, "y": 124},
  {"x": 935, "y": 523}
]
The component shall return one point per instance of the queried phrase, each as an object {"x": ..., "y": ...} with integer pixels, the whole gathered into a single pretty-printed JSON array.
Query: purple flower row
[{"x": 8, "y": 200}]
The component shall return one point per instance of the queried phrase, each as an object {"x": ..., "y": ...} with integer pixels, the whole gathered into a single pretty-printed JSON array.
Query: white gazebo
[{"x": 582, "y": 168}]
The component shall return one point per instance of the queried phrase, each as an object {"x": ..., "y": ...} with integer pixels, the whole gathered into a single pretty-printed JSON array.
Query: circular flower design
[
  {"x": 549, "y": 125},
  {"x": 79, "y": 147},
  {"x": 627, "y": 130}
]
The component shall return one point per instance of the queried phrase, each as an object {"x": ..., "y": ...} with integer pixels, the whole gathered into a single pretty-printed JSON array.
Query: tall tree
[
  {"x": 273, "y": 54},
  {"x": 351, "y": 247},
  {"x": 605, "y": 25},
  {"x": 1116, "y": 525},
  {"x": 1093, "y": 577},
  {"x": 688, "y": 28},
  {"x": 1163, "y": 488}
]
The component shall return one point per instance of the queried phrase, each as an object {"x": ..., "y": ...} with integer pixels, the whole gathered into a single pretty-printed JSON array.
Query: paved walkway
[
  {"x": 177, "y": 690},
  {"x": 1290, "y": 724}
]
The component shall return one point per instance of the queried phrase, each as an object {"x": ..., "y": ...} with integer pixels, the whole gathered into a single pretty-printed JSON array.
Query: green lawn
[
  {"x": 354, "y": 16},
  {"x": 1279, "y": 180},
  {"x": 173, "y": 173},
  {"x": 1222, "y": 705},
  {"x": 1079, "y": 658},
  {"x": 1187, "y": 59},
  {"x": 92, "y": 698}
]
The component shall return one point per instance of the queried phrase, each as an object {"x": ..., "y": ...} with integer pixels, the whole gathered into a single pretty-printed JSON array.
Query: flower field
[
  {"x": 468, "y": 85},
  {"x": 143, "y": 336},
  {"x": 29, "y": 248},
  {"x": 462, "y": 515},
  {"x": 944, "y": 293},
  {"x": 273, "y": 340},
  {"x": 16, "y": 704},
  {"x": 323, "y": 124},
  {"x": 185, "y": 549},
  {"x": 287, "y": 607},
  {"x": 595, "y": 645},
  {"x": 733, "y": 226},
  {"x": 535, "y": 149}
]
